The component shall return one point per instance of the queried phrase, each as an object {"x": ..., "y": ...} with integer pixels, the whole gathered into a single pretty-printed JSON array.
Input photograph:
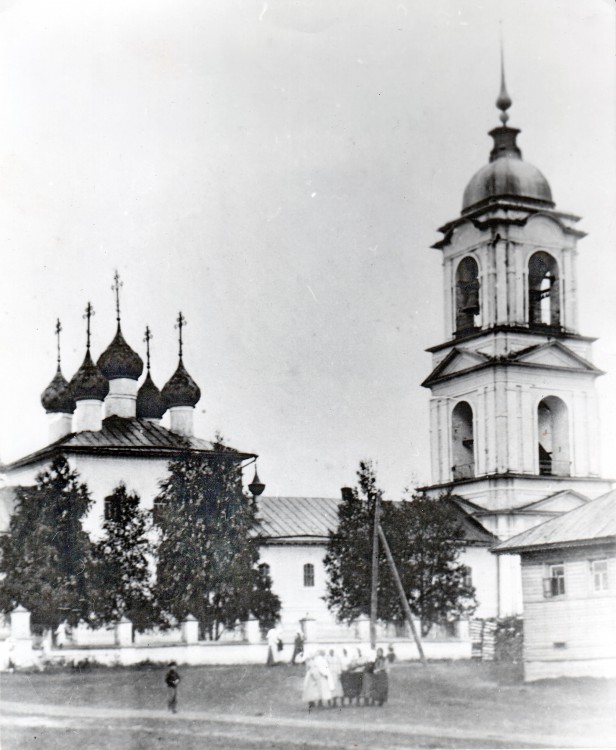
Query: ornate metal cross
[
  {"x": 181, "y": 322},
  {"x": 147, "y": 338},
  {"x": 115, "y": 287}
]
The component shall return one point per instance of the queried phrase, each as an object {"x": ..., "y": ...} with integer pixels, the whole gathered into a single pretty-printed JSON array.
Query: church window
[
  {"x": 463, "y": 450},
  {"x": 467, "y": 295},
  {"x": 543, "y": 290},
  {"x": 599, "y": 575},
  {"x": 553, "y": 433},
  {"x": 112, "y": 508},
  {"x": 308, "y": 575}
]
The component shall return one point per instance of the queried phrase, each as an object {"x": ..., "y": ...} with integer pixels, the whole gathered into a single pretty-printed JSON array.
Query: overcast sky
[{"x": 278, "y": 170}]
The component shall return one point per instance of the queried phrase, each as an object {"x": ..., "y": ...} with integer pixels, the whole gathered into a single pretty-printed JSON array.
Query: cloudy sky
[{"x": 278, "y": 170}]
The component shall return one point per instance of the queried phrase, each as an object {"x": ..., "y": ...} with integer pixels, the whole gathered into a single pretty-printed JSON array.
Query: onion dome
[
  {"x": 507, "y": 175},
  {"x": 119, "y": 360},
  {"x": 57, "y": 397},
  {"x": 180, "y": 389},
  {"x": 89, "y": 382},
  {"x": 150, "y": 404}
]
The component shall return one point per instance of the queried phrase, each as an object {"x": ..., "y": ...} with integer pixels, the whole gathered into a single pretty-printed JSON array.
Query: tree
[
  {"x": 46, "y": 558},
  {"x": 208, "y": 553},
  {"x": 121, "y": 571},
  {"x": 425, "y": 538}
]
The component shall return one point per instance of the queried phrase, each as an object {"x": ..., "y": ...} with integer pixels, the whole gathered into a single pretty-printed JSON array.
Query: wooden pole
[
  {"x": 403, "y": 599},
  {"x": 375, "y": 569}
]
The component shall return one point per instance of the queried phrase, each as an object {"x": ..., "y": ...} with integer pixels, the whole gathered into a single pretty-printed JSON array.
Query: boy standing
[{"x": 172, "y": 680}]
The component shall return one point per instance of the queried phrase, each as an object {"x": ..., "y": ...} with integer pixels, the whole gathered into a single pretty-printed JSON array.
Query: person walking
[
  {"x": 298, "y": 646},
  {"x": 172, "y": 680}
]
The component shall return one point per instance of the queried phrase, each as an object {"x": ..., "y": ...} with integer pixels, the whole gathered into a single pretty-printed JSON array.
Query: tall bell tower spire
[{"x": 513, "y": 406}]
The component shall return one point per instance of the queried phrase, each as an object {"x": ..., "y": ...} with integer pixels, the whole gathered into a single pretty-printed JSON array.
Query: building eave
[
  {"x": 452, "y": 484},
  {"x": 57, "y": 449},
  {"x": 548, "y": 331},
  {"x": 547, "y": 547}
]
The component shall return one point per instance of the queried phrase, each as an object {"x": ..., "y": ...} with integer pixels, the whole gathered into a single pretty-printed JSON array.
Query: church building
[{"x": 513, "y": 409}]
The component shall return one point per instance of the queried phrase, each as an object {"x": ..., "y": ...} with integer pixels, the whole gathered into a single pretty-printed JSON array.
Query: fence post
[
  {"x": 190, "y": 629},
  {"x": 462, "y": 630},
  {"x": 124, "y": 632},
  {"x": 252, "y": 631},
  {"x": 21, "y": 638},
  {"x": 362, "y": 627},
  {"x": 309, "y": 628}
]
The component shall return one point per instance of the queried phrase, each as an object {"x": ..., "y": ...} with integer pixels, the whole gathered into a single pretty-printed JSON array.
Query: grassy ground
[{"x": 459, "y": 704}]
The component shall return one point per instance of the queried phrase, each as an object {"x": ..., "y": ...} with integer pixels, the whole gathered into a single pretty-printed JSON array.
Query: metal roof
[
  {"x": 312, "y": 518},
  {"x": 593, "y": 522},
  {"x": 294, "y": 517},
  {"x": 124, "y": 436}
]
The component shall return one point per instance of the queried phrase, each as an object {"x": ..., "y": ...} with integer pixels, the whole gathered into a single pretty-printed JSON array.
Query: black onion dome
[
  {"x": 119, "y": 360},
  {"x": 89, "y": 382},
  {"x": 150, "y": 404},
  {"x": 57, "y": 397},
  {"x": 181, "y": 389}
]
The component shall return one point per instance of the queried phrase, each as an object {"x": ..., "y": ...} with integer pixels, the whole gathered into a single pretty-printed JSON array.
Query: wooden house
[{"x": 569, "y": 591}]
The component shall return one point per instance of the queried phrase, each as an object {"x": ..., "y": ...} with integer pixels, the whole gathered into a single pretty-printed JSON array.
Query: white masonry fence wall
[{"x": 118, "y": 646}]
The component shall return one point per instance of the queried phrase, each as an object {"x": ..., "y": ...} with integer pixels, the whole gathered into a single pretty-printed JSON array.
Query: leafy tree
[
  {"x": 208, "y": 554},
  {"x": 46, "y": 557},
  {"x": 425, "y": 539},
  {"x": 121, "y": 572}
]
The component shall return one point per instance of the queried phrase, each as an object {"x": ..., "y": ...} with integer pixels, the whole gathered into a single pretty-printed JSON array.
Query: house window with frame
[
  {"x": 308, "y": 575},
  {"x": 554, "y": 584},
  {"x": 599, "y": 575}
]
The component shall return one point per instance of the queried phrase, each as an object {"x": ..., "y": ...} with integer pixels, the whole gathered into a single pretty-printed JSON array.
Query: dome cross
[
  {"x": 58, "y": 330},
  {"x": 115, "y": 287},
  {"x": 147, "y": 338},
  {"x": 181, "y": 322},
  {"x": 88, "y": 315}
]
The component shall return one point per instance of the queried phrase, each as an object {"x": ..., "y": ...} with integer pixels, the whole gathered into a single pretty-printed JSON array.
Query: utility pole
[
  {"x": 403, "y": 599},
  {"x": 375, "y": 568}
]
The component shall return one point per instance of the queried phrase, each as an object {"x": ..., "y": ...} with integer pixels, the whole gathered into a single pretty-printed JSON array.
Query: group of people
[{"x": 332, "y": 678}]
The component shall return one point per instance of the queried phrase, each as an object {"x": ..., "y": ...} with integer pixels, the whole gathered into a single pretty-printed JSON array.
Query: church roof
[
  {"x": 297, "y": 517},
  {"x": 310, "y": 519},
  {"x": 591, "y": 523},
  {"x": 121, "y": 436}
]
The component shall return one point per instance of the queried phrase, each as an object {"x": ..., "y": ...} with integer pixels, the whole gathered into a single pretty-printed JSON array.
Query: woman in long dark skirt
[{"x": 380, "y": 679}]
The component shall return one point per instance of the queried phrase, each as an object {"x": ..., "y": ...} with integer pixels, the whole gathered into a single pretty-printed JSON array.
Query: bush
[{"x": 509, "y": 639}]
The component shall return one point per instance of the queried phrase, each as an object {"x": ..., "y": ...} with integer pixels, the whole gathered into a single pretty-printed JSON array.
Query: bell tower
[{"x": 513, "y": 409}]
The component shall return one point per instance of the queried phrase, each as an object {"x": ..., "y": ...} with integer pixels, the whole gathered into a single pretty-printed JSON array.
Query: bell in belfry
[{"x": 471, "y": 301}]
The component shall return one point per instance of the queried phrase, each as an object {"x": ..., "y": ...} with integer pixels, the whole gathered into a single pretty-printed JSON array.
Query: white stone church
[{"x": 514, "y": 416}]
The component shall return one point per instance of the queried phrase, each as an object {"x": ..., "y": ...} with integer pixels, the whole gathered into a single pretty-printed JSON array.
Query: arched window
[
  {"x": 308, "y": 574},
  {"x": 462, "y": 448},
  {"x": 467, "y": 294},
  {"x": 543, "y": 290},
  {"x": 264, "y": 570},
  {"x": 553, "y": 428}
]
